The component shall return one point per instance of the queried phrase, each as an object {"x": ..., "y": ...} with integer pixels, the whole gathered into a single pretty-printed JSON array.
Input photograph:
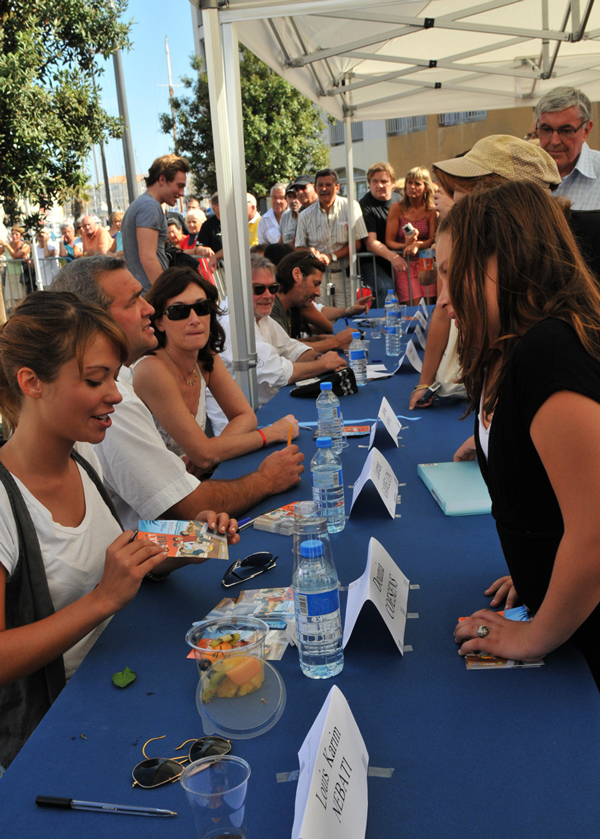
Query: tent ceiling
[{"x": 395, "y": 59}]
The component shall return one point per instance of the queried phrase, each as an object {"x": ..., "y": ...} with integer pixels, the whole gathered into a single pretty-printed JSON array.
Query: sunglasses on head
[
  {"x": 246, "y": 569},
  {"x": 181, "y": 311},
  {"x": 156, "y": 771},
  {"x": 260, "y": 288}
]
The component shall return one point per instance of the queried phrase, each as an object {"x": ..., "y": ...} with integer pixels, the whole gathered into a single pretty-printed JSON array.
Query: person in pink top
[{"x": 416, "y": 209}]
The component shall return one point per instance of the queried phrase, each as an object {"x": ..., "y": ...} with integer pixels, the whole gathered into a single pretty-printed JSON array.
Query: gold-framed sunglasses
[{"x": 156, "y": 771}]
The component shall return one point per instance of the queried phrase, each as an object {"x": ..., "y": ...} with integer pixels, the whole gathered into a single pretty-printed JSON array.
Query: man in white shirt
[
  {"x": 146, "y": 480},
  {"x": 281, "y": 360},
  {"x": 563, "y": 125},
  {"x": 323, "y": 227},
  {"x": 268, "y": 226}
]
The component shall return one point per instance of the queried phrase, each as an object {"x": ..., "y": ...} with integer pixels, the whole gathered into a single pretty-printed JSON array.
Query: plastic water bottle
[
  {"x": 317, "y": 608},
  {"x": 328, "y": 485},
  {"x": 329, "y": 416},
  {"x": 358, "y": 359},
  {"x": 390, "y": 301},
  {"x": 392, "y": 339}
]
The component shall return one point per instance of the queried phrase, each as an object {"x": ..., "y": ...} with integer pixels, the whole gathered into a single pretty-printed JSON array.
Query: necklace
[{"x": 189, "y": 382}]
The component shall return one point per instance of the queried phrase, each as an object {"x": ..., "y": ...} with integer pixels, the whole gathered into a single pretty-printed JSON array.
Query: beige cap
[{"x": 505, "y": 155}]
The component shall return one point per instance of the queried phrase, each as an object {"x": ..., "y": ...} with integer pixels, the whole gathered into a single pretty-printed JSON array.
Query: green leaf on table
[{"x": 124, "y": 678}]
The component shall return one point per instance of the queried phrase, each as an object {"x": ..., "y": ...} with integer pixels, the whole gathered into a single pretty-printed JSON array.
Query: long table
[{"x": 495, "y": 754}]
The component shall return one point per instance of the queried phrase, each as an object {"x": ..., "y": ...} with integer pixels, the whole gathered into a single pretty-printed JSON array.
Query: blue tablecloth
[{"x": 495, "y": 754}]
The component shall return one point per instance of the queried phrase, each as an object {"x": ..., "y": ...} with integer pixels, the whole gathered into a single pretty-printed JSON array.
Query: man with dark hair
[
  {"x": 146, "y": 480},
  {"x": 323, "y": 227},
  {"x": 564, "y": 121},
  {"x": 144, "y": 226},
  {"x": 210, "y": 232},
  {"x": 305, "y": 190}
]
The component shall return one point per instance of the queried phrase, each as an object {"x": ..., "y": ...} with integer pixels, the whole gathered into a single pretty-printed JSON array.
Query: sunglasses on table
[
  {"x": 259, "y": 288},
  {"x": 565, "y": 131},
  {"x": 156, "y": 771},
  {"x": 248, "y": 568},
  {"x": 181, "y": 311}
]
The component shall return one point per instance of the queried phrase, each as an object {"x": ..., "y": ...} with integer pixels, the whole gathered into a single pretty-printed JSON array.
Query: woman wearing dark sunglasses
[{"x": 172, "y": 381}]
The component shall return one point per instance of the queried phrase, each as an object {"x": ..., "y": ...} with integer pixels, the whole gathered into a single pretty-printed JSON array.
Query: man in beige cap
[{"x": 491, "y": 162}]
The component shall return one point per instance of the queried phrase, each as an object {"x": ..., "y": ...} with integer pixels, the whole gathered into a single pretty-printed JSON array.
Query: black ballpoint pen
[{"x": 97, "y": 806}]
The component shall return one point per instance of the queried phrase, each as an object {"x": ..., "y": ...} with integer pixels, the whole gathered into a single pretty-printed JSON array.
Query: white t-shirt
[
  {"x": 142, "y": 477},
  {"x": 73, "y": 556}
]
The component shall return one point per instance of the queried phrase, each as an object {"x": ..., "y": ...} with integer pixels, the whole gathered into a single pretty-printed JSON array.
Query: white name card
[
  {"x": 390, "y": 422},
  {"x": 420, "y": 337},
  {"x": 413, "y": 357},
  {"x": 386, "y": 586},
  {"x": 421, "y": 318},
  {"x": 423, "y": 306},
  {"x": 332, "y": 796},
  {"x": 379, "y": 471}
]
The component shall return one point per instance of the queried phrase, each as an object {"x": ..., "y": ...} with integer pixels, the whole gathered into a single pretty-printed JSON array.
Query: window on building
[
  {"x": 405, "y": 125},
  {"x": 461, "y": 117},
  {"x": 336, "y": 133}
]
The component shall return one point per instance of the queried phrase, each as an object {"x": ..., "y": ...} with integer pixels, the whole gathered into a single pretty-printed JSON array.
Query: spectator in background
[
  {"x": 115, "y": 219},
  {"x": 253, "y": 219},
  {"x": 305, "y": 190},
  {"x": 175, "y": 233},
  {"x": 289, "y": 218},
  {"x": 17, "y": 270},
  {"x": 144, "y": 225},
  {"x": 94, "y": 237},
  {"x": 375, "y": 207},
  {"x": 192, "y": 203},
  {"x": 67, "y": 249},
  {"x": 210, "y": 232},
  {"x": 47, "y": 252},
  {"x": 194, "y": 219},
  {"x": 563, "y": 125},
  {"x": 269, "y": 232}
]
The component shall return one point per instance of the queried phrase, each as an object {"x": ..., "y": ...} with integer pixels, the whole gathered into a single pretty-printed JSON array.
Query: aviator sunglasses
[
  {"x": 156, "y": 771},
  {"x": 181, "y": 311},
  {"x": 260, "y": 288},
  {"x": 246, "y": 569}
]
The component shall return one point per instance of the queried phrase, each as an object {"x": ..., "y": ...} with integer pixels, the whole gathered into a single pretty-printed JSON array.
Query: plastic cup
[
  {"x": 252, "y": 633},
  {"x": 375, "y": 324},
  {"x": 216, "y": 790}
]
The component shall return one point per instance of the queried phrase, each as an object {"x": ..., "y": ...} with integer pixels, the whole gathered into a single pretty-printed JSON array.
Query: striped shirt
[
  {"x": 328, "y": 231},
  {"x": 582, "y": 185},
  {"x": 287, "y": 225}
]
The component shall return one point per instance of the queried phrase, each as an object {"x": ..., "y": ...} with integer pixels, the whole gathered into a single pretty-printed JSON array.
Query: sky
[{"x": 145, "y": 70}]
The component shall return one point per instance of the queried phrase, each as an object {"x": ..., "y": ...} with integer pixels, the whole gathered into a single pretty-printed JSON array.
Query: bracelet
[
  {"x": 262, "y": 434},
  {"x": 347, "y": 311},
  {"x": 420, "y": 387},
  {"x": 156, "y": 578}
]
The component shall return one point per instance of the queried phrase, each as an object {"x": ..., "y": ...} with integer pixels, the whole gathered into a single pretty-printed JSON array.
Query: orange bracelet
[{"x": 263, "y": 436}]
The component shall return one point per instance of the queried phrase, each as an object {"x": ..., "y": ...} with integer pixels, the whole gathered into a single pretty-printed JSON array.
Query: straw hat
[{"x": 505, "y": 155}]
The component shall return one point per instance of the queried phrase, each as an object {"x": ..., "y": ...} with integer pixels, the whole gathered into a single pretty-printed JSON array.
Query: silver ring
[{"x": 482, "y": 631}]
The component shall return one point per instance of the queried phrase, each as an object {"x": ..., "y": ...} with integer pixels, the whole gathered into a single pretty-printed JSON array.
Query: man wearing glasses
[
  {"x": 563, "y": 125},
  {"x": 281, "y": 360}
]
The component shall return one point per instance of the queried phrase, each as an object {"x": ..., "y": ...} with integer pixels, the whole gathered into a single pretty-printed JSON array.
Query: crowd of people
[{"x": 119, "y": 400}]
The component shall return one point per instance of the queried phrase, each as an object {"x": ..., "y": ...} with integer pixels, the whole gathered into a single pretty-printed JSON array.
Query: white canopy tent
[{"x": 389, "y": 59}]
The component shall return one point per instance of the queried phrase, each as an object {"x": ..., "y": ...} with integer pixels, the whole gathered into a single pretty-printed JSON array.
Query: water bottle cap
[
  {"x": 326, "y": 386},
  {"x": 356, "y": 334},
  {"x": 311, "y": 548},
  {"x": 324, "y": 442}
]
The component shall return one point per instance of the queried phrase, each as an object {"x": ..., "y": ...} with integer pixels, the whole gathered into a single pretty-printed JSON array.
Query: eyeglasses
[
  {"x": 565, "y": 131},
  {"x": 156, "y": 771},
  {"x": 260, "y": 288},
  {"x": 181, "y": 311},
  {"x": 248, "y": 568}
]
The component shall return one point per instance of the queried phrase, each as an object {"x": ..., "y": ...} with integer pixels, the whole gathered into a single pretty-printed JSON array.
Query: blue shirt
[{"x": 582, "y": 185}]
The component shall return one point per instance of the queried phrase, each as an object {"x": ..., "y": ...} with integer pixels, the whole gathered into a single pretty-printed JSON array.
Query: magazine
[
  {"x": 485, "y": 661},
  {"x": 185, "y": 538}
]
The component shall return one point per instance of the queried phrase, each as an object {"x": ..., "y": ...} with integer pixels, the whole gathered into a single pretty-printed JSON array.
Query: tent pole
[
  {"x": 234, "y": 228},
  {"x": 350, "y": 192}
]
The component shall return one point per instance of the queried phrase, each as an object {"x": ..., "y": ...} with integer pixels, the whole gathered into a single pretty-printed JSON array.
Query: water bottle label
[
  {"x": 319, "y": 604},
  {"x": 328, "y": 413},
  {"x": 357, "y": 355},
  {"x": 327, "y": 480}
]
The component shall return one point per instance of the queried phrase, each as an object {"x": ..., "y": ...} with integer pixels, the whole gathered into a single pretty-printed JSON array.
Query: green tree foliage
[
  {"x": 50, "y": 114},
  {"x": 282, "y": 128}
]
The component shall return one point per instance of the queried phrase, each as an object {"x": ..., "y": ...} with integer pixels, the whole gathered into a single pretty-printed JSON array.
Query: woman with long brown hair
[
  {"x": 416, "y": 209},
  {"x": 528, "y": 314}
]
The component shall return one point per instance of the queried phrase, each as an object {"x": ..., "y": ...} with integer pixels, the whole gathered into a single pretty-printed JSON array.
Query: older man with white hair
[
  {"x": 564, "y": 121},
  {"x": 94, "y": 237},
  {"x": 269, "y": 232}
]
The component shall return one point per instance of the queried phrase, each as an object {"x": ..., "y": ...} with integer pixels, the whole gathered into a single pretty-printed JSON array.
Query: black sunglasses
[
  {"x": 260, "y": 288},
  {"x": 246, "y": 569},
  {"x": 156, "y": 771},
  {"x": 181, "y": 311}
]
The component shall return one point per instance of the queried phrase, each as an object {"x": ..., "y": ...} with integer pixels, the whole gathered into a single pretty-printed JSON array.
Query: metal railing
[{"x": 19, "y": 278}]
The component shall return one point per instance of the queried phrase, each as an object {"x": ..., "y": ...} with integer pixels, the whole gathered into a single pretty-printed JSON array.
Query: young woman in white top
[{"x": 172, "y": 381}]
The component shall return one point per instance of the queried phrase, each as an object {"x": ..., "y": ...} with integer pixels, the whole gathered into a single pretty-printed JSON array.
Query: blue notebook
[{"x": 458, "y": 488}]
